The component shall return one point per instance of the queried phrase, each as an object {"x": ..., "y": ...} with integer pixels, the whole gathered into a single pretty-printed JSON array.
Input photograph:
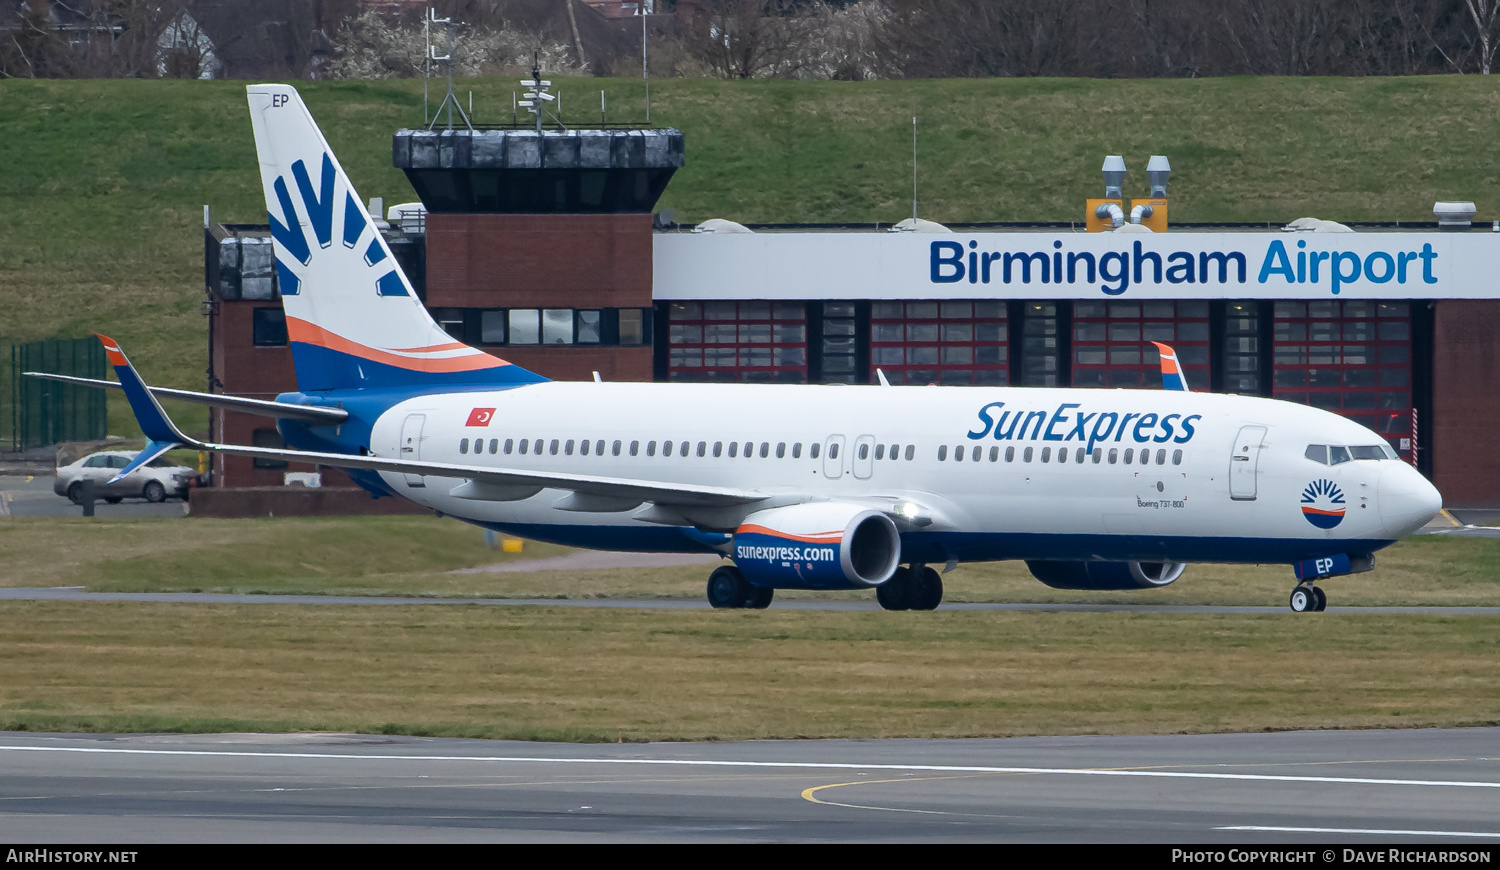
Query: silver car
[{"x": 154, "y": 481}]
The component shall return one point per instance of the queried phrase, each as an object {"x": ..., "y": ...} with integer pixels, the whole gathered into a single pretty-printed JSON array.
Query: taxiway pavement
[{"x": 1431, "y": 786}]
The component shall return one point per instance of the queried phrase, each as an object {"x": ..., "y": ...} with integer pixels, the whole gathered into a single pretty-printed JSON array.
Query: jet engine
[
  {"x": 821, "y": 545},
  {"x": 1105, "y": 575}
]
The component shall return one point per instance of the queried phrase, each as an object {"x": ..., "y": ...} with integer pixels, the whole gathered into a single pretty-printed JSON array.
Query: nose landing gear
[{"x": 1307, "y": 597}]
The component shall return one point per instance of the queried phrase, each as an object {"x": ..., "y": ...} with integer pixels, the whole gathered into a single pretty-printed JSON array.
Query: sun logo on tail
[{"x": 1323, "y": 504}]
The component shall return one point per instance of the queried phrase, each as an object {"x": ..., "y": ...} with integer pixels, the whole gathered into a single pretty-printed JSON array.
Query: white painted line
[
  {"x": 1372, "y": 831},
  {"x": 787, "y": 765}
]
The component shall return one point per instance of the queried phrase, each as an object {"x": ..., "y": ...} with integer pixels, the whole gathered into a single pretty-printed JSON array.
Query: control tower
[{"x": 539, "y": 239}]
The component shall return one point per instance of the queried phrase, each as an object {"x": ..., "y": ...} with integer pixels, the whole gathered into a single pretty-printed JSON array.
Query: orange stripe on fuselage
[
  {"x": 308, "y": 333},
  {"x": 431, "y": 348},
  {"x": 1320, "y": 511},
  {"x": 832, "y": 537}
]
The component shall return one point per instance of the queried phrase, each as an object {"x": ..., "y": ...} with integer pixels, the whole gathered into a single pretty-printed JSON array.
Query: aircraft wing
[
  {"x": 314, "y": 414},
  {"x": 164, "y": 435}
]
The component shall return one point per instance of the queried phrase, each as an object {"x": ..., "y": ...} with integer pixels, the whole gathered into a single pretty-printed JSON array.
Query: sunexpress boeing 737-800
[{"x": 798, "y": 486}]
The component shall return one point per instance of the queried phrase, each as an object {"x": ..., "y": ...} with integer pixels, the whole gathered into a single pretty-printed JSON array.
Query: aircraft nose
[{"x": 1407, "y": 500}]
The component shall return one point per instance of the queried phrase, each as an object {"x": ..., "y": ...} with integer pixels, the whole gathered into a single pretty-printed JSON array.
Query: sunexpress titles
[{"x": 1114, "y": 272}]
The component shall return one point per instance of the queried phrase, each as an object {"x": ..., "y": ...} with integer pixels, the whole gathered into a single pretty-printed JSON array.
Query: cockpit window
[{"x": 1336, "y": 455}]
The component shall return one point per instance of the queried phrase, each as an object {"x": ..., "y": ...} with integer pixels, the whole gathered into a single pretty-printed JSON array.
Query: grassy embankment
[
  {"x": 591, "y": 675},
  {"x": 416, "y": 556},
  {"x": 104, "y": 181}
]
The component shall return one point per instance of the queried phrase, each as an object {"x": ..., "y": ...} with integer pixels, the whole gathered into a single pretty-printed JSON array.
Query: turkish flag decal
[{"x": 480, "y": 417}]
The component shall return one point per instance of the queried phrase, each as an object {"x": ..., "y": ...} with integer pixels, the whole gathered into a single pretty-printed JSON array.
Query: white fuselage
[{"x": 1012, "y": 499}]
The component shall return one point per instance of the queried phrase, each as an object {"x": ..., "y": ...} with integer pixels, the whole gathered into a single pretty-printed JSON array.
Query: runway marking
[
  {"x": 1290, "y": 763},
  {"x": 807, "y": 795},
  {"x": 1372, "y": 831},
  {"x": 785, "y": 765}
]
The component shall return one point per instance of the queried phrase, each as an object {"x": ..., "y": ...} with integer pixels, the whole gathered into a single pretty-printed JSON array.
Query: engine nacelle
[
  {"x": 1101, "y": 576},
  {"x": 822, "y": 545}
]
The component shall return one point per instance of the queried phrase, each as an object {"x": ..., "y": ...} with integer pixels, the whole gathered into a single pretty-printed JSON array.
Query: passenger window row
[
  {"x": 733, "y": 449},
  {"x": 1079, "y": 455},
  {"x": 1326, "y": 454}
]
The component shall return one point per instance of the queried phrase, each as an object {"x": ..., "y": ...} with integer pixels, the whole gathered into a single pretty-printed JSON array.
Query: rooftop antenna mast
[
  {"x": 645, "y": 76},
  {"x": 914, "y": 169},
  {"x": 450, "y": 101}
]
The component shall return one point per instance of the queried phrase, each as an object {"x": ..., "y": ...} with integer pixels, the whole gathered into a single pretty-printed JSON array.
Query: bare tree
[
  {"x": 372, "y": 47},
  {"x": 1482, "y": 13},
  {"x": 742, "y": 39},
  {"x": 970, "y": 38}
]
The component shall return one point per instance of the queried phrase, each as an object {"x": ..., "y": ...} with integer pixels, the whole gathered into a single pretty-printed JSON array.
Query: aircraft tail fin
[
  {"x": 352, "y": 317},
  {"x": 1172, "y": 377}
]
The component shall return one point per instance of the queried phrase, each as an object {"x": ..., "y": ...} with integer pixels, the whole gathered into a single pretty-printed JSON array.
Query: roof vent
[
  {"x": 719, "y": 225},
  {"x": 1453, "y": 215},
  {"x": 919, "y": 225},
  {"x": 1114, "y": 176},
  {"x": 1314, "y": 225},
  {"x": 1158, "y": 171}
]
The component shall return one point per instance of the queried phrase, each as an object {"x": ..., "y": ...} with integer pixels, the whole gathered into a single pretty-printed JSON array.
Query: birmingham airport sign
[{"x": 1251, "y": 265}]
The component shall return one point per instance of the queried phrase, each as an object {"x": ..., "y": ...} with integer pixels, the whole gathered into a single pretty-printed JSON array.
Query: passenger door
[
  {"x": 1244, "y": 462},
  {"x": 833, "y": 457},
  {"x": 411, "y": 445},
  {"x": 96, "y": 468}
]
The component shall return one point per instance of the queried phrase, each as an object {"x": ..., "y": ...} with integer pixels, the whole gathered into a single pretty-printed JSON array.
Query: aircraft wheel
[
  {"x": 1322, "y": 599},
  {"x": 1303, "y": 600},
  {"x": 896, "y": 593},
  {"x": 759, "y": 597},
  {"x": 927, "y": 591},
  {"x": 727, "y": 588}
]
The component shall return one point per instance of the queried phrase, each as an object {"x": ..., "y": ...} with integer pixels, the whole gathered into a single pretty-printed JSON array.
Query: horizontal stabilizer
[
  {"x": 152, "y": 450},
  {"x": 314, "y": 414}
]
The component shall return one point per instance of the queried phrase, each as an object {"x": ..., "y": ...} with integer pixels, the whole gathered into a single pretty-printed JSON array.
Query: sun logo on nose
[{"x": 1323, "y": 504}]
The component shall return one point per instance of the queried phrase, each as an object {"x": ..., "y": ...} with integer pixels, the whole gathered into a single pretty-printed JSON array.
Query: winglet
[
  {"x": 1172, "y": 377},
  {"x": 162, "y": 433}
]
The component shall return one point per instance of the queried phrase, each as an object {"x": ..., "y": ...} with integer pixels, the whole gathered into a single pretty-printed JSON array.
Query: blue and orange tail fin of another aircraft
[
  {"x": 1172, "y": 377},
  {"x": 161, "y": 434},
  {"x": 352, "y": 318}
]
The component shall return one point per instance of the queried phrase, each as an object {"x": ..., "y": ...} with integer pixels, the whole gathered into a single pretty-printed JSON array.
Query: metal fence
[{"x": 36, "y": 413}]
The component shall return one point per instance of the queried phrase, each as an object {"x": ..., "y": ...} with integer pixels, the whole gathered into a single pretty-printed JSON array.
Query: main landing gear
[
  {"x": 728, "y": 588},
  {"x": 915, "y": 588},
  {"x": 1307, "y": 597}
]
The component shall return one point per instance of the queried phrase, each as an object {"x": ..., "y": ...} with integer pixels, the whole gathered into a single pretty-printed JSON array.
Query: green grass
[
  {"x": 605, "y": 675},
  {"x": 418, "y": 555},
  {"x": 104, "y": 182}
]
